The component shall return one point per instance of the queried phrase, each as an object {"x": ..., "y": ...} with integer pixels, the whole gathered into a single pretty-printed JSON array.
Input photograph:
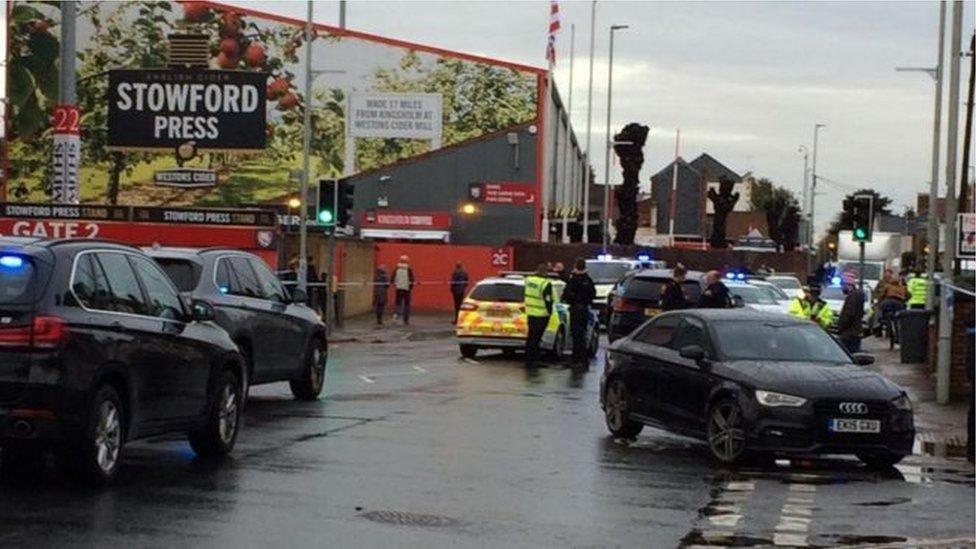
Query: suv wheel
[
  {"x": 880, "y": 461},
  {"x": 726, "y": 435},
  {"x": 217, "y": 435},
  {"x": 310, "y": 384},
  {"x": 617, "y": 410},
  {"x": 95, "y": 458}
]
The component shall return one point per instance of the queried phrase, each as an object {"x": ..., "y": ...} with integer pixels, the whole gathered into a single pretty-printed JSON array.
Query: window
[
  {"x": 503, "y": 292},
  {"x": 803, "y": 343},
  {"x": 185, "y": 274},
  {"x": 249, "y": 285},
  {"x": 90, "y": 285},
  {"x": 660, "y": 331},
  {"x": 125, "y": 290},
  {"x": 225, "y": 278},
  {"x": 164, "y": 302},
  {"x": 691, "y": 333},
  {"x": 270, "y": 285}
]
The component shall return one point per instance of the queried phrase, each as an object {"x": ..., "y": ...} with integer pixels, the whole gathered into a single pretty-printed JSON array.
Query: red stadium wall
[{"x": 432, "y": 267}]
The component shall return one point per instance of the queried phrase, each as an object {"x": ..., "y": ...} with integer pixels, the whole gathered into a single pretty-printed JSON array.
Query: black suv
[
  {"x": 98, "y": 348},
  {"x": 280, "y": 337},
  {"x": 637, "y": 298}
]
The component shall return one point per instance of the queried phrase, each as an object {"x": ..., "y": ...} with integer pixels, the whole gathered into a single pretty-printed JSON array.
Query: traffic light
[
  {"x": 862, "y": 217},
  {"x": 335, "y": 203}
]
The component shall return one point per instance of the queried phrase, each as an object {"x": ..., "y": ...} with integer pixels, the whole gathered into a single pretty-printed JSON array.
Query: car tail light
[
  {"x": 46, "y": 332},
  {"x": 468, "y": 306},
  {"x": 622, "y": 305}
]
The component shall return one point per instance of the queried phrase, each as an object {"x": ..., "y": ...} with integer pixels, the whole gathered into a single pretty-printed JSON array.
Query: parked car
[
  {"x": 493, "y": 317},
  {"x": 788, "y": 283},
  {"x": 746, "y": 381},
  {"x": 637, "y": 297},
  {"x": 753, "y": 296},
  {"x": 98, "y": 348},
  {"x": 606, "y": 271},
  {"x": 281, "y": 338}
]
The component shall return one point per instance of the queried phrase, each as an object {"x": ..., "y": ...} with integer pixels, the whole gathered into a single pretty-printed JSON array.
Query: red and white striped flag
[{"x": 553, "y": 31}]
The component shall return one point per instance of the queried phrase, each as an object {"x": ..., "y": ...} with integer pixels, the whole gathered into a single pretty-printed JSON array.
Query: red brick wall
[{"x": 963, "y": 310}]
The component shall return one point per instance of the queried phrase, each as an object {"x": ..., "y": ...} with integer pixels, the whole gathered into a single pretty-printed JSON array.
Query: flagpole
[
  {"x": 546, "y": 133},
  {"x": 674, "y": 187},
  {"x": 569, "y": 182},
  {"x": 587, "y": 176}
]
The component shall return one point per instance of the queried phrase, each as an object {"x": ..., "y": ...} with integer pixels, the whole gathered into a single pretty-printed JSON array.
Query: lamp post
[
  {"x": 811, "y": 232},
  {"x": 587, "y": 166},
  {"x": 606, "y": 157},
  {"x": 806, "y": 170},
  {"x": 932, "y": 223}
]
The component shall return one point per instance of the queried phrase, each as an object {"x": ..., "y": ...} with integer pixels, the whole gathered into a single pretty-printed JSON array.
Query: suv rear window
[
  {"x": 17, "y": 279},
  {"x": 650, "y": 289},
  {"x": 185, "y": 274},
  {"x": 508, "y": 293}
]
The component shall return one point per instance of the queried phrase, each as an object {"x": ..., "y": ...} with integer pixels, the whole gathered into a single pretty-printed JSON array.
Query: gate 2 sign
[{"x": 161, "y": 109}]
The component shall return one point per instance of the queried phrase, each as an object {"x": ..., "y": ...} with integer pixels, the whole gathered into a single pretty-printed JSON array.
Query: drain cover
[{"x": 409, "y": 519}]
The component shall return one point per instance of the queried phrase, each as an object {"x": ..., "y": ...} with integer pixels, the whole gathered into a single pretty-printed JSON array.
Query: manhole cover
[{"x": 409, "y": 519}]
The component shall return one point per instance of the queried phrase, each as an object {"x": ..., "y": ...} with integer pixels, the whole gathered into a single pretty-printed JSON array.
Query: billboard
[
  {"x": 161, "y": 109},
  {"x": 122, "y": 45}
]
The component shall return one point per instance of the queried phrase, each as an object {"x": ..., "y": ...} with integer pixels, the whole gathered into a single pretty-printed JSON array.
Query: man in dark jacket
[
  {"x": 716, "y": 294},
  {"x": 851, "y": 314},
  {"x": 459, "y": 285},
  {"x": 579, "y": 295},
  {"x": 381, "y": 289},
  {"x": 672, "y": 296}
]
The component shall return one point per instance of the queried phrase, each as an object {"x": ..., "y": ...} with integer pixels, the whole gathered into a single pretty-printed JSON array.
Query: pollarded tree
[{"x": 630, "y": 151}]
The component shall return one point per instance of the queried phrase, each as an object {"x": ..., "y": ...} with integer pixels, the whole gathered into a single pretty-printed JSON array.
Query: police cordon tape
[
  {"x": 365, "y": 283},
  {"x": 940, "y": 280}
]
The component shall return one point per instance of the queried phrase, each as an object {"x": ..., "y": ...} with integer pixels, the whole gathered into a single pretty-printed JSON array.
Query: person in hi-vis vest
[
  {"x": 918, "y": 286},
  {"x": 538, "y": 309}
]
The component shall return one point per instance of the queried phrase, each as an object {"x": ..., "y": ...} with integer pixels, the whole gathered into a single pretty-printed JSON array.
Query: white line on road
[
  {"x": 366, "y": 379},
  {"x": 419, "y": 369},
  {"x": 795, "y": 516}
]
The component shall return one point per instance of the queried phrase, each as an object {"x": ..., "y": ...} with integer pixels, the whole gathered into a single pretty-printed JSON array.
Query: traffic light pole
[
  {"x": 330, "y": 312},
  {"x": 860, "y": 267}
]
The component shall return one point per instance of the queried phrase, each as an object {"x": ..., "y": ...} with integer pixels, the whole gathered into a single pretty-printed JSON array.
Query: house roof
[
  {"x": 712, "y": 169},
  {"x": 666, "y": 171}
]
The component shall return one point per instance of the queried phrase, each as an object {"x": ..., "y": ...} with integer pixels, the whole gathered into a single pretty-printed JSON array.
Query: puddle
[
  {"x": 722, "y": 539},
  {"x": 404, "y": 518},
  {"x": 885, "y": 503},
  {"x": 940, "y": 449},
  {"x": 862, "y": 540}
]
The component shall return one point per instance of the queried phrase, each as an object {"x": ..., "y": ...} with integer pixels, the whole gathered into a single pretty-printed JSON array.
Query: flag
[{"x": 553, "y": 30}]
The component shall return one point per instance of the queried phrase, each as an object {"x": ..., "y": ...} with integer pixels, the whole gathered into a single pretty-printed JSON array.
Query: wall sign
[
  {"x": 67, "y": 154},
  {"x": 188, "y": 178},
  {"x": 966, "y": 239},
  {"x": 55, "y": 211},
  {"x": 406, "y": 220},
  {"x": 260, "y": 218},
  {"x": 517, "y": 194},
  {"x": 406, "y": 115},
  {"x": 162, "y": 109}
]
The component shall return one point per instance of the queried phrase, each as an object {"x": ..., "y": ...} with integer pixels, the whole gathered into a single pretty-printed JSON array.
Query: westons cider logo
[{"x": 162, "y": 109}]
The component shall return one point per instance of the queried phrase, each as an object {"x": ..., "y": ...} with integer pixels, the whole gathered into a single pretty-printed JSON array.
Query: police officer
[
  {"x": 579, "y": 295},
  {"x": 918, "y": 287},
  {"x": 538, "y": 309},
  {"x": 811, "y": 307},
  {"x": 672, "y": 296}
]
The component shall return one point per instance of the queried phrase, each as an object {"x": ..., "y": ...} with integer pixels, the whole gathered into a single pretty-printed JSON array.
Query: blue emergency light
[
  {"x": 224, "y": 289},
  {"x": 604, "y": 257},
  {"x": 835, "y": 281},
  {"x": 11, "y": 261},
  {"x": 732, "y": 275},
  {"x": 644, "y": 258}
]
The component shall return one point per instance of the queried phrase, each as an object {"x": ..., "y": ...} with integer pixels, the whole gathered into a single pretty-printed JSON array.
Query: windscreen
[
  {"x": 651, "y": 288},
  {"x": 774, "y": 292},
  {"x": 786, "y": 341},
  {"x": 872, "y": 271},
  {"x": 17, "y": 280},
  {"x": 607, "y": 272},
  {"x": 498, "y": 291},
  {"x": 785, "y": 283},
  {"x": 752, "y": 295},
  {"x": 184, "y": 274}
]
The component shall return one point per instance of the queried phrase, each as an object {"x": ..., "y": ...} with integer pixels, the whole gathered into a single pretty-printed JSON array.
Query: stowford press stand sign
[{"x": 162, "y": 109}]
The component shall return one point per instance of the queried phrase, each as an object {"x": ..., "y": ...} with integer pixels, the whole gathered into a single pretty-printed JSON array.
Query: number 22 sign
[{"x": 66, "y": 120}]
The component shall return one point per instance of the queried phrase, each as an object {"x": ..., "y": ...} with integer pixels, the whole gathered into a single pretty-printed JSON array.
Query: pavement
[
  {"x": 413, "y": 446},
  {"x": 363, "y": 329}
]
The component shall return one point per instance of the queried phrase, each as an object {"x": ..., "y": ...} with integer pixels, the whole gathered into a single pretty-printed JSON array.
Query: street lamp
[
  {"x": 468, "y": 209},
  {"x": 811, "y": 232},
  {"x": 606, "y": 158},
  {"x": 294, "y": 203},
  {"x": 806, "y": 188}
]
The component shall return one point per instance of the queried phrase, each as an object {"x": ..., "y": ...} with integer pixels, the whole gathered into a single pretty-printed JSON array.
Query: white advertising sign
[{"x": 404, "y": 115}]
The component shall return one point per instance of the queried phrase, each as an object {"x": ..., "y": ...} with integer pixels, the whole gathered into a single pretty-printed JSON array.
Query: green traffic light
[
  {"x": 325, "y": 217},
  {"x": 860, "y": 233}
]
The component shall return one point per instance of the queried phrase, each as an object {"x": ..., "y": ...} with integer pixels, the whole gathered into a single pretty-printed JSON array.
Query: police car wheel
[{"x": 468, "y": 351}]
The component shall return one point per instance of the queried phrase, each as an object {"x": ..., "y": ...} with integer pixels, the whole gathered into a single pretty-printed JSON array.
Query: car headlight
[
  {"x": 769, "y": 398},
  {"x": 902, "y": 402}
]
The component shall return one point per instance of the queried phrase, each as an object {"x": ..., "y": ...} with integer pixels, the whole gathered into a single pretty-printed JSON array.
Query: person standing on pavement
[
  {"x": 811, "y": 307},
  {"x": 403, "y": 281},
  {"x": 538, "y": 309},
  {"x": 851, "y": 314},
  {"x": 918, "y": 286},
  {"x": 579, "y": 295},
  {"x": 381, "y": 289},
  {"x": 672, "y": 296},
  {"x": 459, "y": 286},
  {"x": 716, "y": 294}
]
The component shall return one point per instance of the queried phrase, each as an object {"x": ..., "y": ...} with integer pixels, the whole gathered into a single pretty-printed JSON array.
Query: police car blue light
[
  {"x": 643, "y": 258},
  {"x": 835, "y": 281},
  {"x": 11, "y": 261}
]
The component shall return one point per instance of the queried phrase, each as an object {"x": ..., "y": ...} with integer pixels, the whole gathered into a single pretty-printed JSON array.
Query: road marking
[
  {"x": 419, "y": 369},
  {"x": 366, "y": 379},
  {"x": 795, "y": 516}
]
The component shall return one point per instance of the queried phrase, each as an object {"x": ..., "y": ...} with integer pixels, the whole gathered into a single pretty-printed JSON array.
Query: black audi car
[
  {"x": 751, "y": 382},
  {"x": 280, "y": 337},
  {"x": 97, "y": 348}
]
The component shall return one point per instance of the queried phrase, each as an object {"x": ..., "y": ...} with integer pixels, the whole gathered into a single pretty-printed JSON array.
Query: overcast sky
[{"x": 745, "y": 81}]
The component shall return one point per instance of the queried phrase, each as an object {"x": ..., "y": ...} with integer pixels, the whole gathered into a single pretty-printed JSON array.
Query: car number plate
[
  {"x": 651, "y": 312},
  {"x": 497, "y": 314},
  {"x": 855, "y": 425}
]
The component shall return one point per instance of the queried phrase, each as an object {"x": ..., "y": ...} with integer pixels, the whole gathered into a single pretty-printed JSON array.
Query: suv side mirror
[
  {"x": 201, "y": 311},
  {"x": 863, "y": 359},
  {"x": 298, "y": 295},
  {"x": 692, "y": 352}
]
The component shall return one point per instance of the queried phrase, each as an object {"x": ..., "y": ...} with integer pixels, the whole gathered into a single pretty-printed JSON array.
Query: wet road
[{"x": 414, "y": 447}]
